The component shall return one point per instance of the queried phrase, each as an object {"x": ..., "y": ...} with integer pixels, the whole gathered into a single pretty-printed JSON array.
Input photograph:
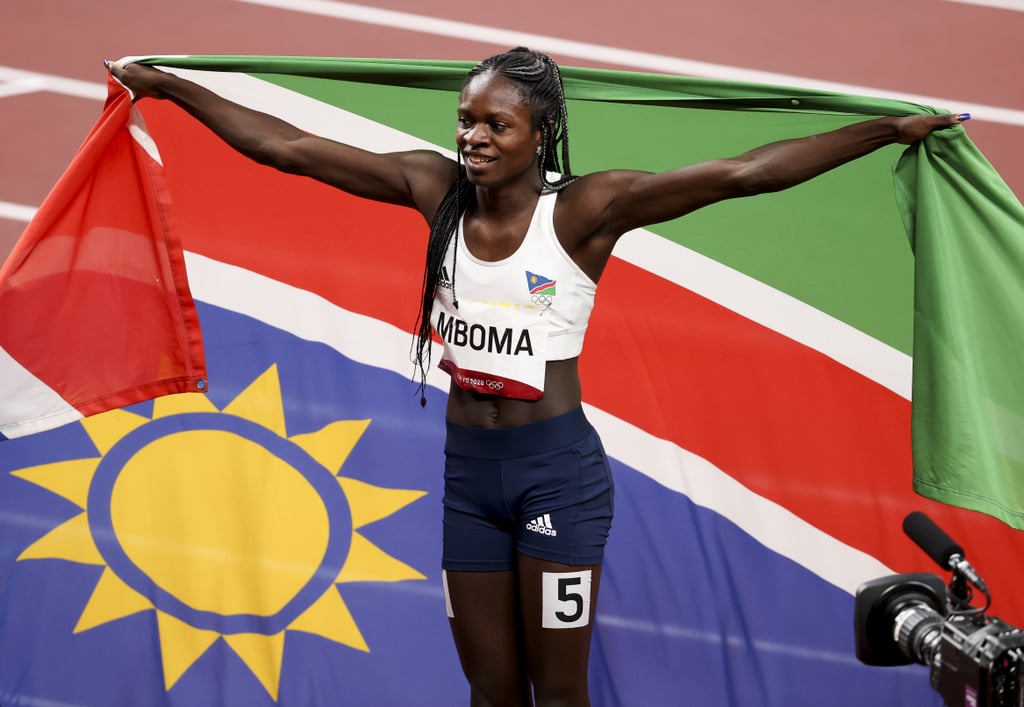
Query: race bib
[{"x": 494, "y": 350}]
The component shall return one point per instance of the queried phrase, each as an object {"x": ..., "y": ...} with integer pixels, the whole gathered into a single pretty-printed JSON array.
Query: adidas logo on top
[
  {"x": 542, "y": 525},
  {"x": 444, "y": 281}
]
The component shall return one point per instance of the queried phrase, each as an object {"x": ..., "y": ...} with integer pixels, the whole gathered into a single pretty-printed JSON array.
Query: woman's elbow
[
  {"x": 282, "y": 155},
  {"x": 752, "y": 179}
]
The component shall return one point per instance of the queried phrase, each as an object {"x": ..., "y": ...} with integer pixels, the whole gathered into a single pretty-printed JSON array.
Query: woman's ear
[{"x": 547, "y": 128}]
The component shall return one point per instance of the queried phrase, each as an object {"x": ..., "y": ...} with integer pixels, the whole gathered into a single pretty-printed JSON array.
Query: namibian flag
[
  {"x": 540, "y": 285},
  {"x": 749, "y": 367}
]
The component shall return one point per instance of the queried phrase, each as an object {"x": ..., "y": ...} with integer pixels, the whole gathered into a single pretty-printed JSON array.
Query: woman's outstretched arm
[
  {"x": 640, "y": 199},
  {"x": 417, "y": 179}
]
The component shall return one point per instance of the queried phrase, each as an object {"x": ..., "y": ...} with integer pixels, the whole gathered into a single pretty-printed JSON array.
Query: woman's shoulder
[{"x": 595, "y": 190}]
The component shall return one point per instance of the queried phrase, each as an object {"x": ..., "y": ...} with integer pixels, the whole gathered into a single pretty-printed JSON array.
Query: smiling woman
[{"x": 517, "y": 246}]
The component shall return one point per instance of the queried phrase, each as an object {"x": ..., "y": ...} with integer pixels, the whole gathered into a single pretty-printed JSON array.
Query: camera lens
[{"x": 917, "y": 630}]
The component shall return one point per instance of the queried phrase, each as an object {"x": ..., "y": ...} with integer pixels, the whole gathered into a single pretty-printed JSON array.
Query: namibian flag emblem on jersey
[{"x": 540, "y": 285}]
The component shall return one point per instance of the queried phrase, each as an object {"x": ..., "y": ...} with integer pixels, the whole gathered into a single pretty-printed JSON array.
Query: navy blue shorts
[{"x": 544, "y": 489}]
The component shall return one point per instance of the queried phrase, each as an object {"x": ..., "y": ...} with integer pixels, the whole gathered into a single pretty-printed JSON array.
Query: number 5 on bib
[{"x": 566, "y": 599}]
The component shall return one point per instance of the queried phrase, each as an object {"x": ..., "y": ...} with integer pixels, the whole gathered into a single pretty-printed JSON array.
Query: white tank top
[{"x": 514, "y": 315}]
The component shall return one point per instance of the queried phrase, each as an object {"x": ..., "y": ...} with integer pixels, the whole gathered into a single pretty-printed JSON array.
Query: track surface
[{"x": 959, "y": 54}]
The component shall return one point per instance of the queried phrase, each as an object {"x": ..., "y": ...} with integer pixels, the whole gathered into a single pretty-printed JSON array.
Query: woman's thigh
[
  {"x": 484, "y": 613},
  {"x": 558, "y": 607}
]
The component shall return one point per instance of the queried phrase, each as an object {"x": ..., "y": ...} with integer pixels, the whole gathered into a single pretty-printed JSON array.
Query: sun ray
[
  {"x": 182, "y": 403},
  {"x": 331, "y": 445},
  {"x": 107, "y": 428},
  {"x": 69, "y": 541},
  {"x": 263, "y": 654},
  {"x": 261, "y": 402},
  {"x": 68, "y": 479},
  {"x": 111, "y": 600},
  {"x": 371, "y": 503},
  {"x": 368, "y": 563},
  {"x": 329, "y": 617},
  {"x": 181, "y": 646}
]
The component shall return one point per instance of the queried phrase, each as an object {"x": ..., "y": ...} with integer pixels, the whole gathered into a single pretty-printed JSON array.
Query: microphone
[{"x": 940, "y": 547}]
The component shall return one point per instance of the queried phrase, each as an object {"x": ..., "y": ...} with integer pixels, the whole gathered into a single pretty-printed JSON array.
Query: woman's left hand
[{"x": 915, "y": 127}]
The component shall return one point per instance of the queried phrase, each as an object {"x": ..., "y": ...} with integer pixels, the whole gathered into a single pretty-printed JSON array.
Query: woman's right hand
[{"x": 142, "y": 81}]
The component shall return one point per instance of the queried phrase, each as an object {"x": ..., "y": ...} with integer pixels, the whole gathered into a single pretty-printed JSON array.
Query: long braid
[
  {"x": 558, "y": 133},
  {"x": 442, "y": 228},
  {"x": 540, "y": 82}
]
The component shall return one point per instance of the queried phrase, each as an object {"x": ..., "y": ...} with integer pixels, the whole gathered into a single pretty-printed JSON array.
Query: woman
[{"x": 517, "y": 246}]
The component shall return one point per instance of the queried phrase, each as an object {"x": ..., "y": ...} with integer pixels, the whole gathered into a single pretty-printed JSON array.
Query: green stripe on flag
[{"x": 969, "y": 330}]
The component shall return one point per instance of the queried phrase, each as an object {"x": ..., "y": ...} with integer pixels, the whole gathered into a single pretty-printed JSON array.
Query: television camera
[{"x": 976, "y": 660}]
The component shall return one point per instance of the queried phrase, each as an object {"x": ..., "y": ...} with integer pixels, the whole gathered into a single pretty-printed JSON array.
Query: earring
[{"x": 539, "y": 149}]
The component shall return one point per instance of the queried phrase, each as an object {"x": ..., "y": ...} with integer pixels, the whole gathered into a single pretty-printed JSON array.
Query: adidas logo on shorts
[{"x": 542, "y": 525}]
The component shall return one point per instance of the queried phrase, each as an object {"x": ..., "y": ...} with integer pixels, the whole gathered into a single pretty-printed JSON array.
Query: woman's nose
[{"x": 474, "y": 135}]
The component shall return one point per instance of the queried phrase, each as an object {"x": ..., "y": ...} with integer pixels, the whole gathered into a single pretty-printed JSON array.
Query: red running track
[{"x": 939, "y": 48}]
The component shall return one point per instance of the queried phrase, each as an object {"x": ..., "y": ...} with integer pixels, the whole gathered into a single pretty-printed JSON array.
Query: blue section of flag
[
  {"x": 536, "y": 282},
  {"x": 691, "y": 609}
]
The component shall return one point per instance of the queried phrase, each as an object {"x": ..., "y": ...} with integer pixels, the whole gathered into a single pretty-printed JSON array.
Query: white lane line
[
  {"x": 16, "y": 212},
  {"x": 1017, "y": 5},
  {"x": 21, "y": 86},
  {"x": 24, "y": 81},
  {"x": 622, "y": 57},
  {"x": 31, "y": 81}
]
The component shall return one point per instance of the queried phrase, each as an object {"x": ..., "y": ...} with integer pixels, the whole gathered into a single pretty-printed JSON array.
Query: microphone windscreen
[{"x": 931, "y": 538}]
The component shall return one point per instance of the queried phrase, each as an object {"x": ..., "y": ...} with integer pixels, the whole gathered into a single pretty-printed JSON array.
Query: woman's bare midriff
[{"x": 562, "y": 394}]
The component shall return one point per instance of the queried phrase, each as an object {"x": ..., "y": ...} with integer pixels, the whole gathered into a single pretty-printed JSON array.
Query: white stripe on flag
[
  {"x": 30, "y": 405},
  {"x": 308, "y": 113},
  {"x": 686, "y": 268},
  {"x": 770, "y": 308},
  {"x": 140, "y": 133},
  {"x": 375, "y": 343},
  {"x": 306, "y": 315}
]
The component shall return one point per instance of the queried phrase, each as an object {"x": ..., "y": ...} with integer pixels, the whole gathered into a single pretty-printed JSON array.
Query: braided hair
[{"x": 540, "y": 83}]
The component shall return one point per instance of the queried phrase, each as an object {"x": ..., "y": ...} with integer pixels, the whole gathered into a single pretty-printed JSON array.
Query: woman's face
[{"x": 495, "y": 132}]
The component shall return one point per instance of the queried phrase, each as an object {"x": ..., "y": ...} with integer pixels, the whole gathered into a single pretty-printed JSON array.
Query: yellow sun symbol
[{"x": 221, "y": 524}]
